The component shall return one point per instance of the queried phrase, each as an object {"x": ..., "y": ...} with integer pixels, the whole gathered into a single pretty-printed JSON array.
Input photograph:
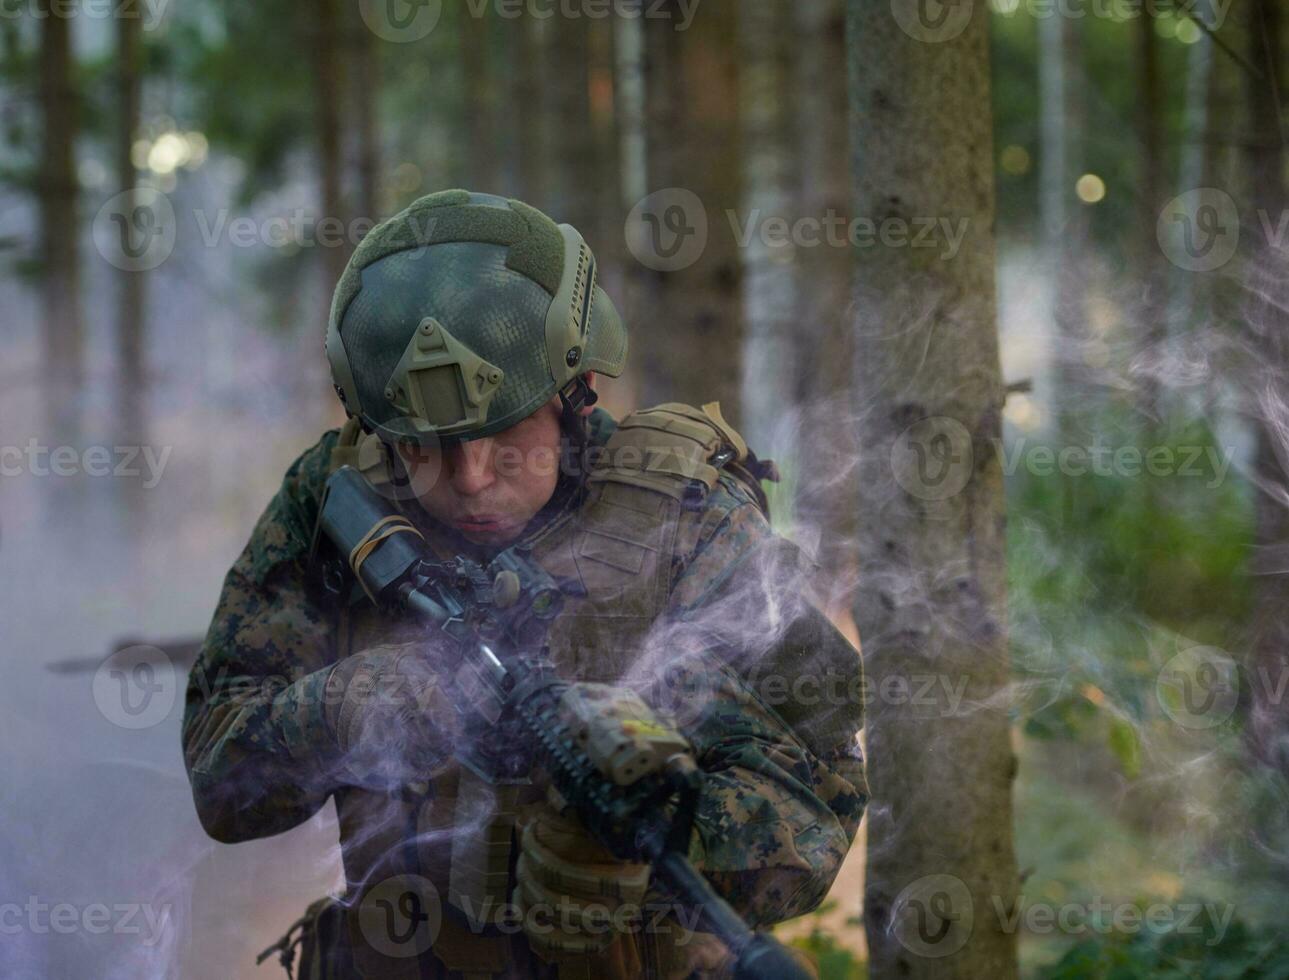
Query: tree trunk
[
  {"x": 941, "y": 877},
  {"x": 821, "y": 390},
  {"x": 1189, "y": 306},
  {"x": 483, "y": 173},
  {"x": 60, "y": 263},
  {"x": 691, "y": 81},
  {"x": 1152, "y": 334},
  {"x": 365, "y": 104},
  {"x": 1064, "y": 223},
  {"x": 526, "y": 41},
  {"x": 573, "y": 178},
  {"x": 772, "y": 339},
  {"x": 1264, "y": 162},
  {"x": 131, "y": 380},
  {"x": 328, "y": 85}
]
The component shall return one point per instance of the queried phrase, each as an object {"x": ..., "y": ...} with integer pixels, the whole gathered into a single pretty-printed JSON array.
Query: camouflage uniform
[
  {"x": 455, "y": 319},
  {"x": 776, "y": 818}
]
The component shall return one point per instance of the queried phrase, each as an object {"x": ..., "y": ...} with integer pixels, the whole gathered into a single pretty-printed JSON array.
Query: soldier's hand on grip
[
  {"x": 390, "y": 717},
  {"x": 573, "y": 894}
]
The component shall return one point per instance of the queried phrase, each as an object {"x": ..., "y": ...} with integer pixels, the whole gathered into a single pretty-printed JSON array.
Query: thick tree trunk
[
  {"x": 61, "y": 325},
  {"x": 691, "y": 79},
  {"x": 941, "y": 877}
]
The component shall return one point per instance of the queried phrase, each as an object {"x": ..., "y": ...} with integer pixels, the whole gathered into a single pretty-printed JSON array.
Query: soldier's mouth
[{"x": 482, "y": 523}]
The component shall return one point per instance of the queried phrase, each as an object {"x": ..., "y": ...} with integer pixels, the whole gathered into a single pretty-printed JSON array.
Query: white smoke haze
[{"x": 1149, "y": 797}]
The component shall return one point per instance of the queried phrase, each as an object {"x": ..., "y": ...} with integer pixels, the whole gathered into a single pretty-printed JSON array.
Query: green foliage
[
  {"x": 1109, "y": 571},
  {"x": 834, "y": 961},
  {"x": 1208, "y": 953},
  {"x": 252, "y": 80}
]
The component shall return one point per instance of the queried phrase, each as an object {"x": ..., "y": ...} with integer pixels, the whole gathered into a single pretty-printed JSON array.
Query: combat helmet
[{"x": 465, "y": 313}]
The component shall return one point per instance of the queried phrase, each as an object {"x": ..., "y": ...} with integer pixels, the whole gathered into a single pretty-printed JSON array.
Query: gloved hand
[
  {"x": 570, "y": 888},
  {"x": 392, "y": 722}
]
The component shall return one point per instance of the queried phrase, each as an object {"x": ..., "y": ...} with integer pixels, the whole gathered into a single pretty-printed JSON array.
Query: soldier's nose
[{"x": 472, "y": 466}]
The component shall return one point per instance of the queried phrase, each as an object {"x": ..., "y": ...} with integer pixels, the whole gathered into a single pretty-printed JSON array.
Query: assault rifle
[{"x": 630, "y": 777}]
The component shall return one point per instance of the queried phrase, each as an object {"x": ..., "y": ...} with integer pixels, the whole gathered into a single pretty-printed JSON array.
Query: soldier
[{"x": 465, "y": 339}]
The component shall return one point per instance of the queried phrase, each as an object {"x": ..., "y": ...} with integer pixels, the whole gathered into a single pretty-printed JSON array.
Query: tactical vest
[{"x": 619, "y": 544}]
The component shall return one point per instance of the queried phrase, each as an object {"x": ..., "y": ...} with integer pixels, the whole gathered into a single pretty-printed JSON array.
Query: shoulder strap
[{"x": 679, "y": 450}]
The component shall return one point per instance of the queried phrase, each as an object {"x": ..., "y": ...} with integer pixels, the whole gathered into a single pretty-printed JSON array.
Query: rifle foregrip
[{"x": 765, "y": 958}]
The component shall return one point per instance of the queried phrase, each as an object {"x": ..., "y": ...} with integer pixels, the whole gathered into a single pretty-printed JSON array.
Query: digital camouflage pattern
[{"x": 781, "y": 804}]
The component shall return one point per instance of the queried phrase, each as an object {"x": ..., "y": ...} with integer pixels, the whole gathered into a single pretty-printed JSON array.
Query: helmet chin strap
[{"x": 573, "y": 398}]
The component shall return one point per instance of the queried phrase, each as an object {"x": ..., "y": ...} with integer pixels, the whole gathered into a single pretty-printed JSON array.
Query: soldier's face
[{"x": 488, "y": 489}]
